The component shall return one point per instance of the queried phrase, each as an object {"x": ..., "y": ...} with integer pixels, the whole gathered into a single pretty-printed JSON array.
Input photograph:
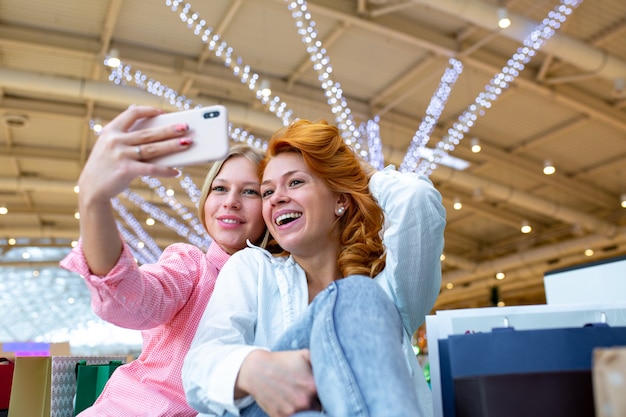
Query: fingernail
[
  {"x": 181, "y": 127},
  {"x": 185, "y": 141},
  {"x": 178, "y": 172}
]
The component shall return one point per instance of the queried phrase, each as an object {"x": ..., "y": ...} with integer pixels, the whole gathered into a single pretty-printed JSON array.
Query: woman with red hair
[{"x": 326, "y": 324}]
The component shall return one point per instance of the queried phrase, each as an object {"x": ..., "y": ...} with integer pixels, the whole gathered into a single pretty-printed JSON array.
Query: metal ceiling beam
[
  {"x": 589, "y": 59},
  {"x": 523, "y": 200},
  {"x": 446, "y": 46},
  {"x": 531, "y": 257},
  {"x": 118, "y": 95}
]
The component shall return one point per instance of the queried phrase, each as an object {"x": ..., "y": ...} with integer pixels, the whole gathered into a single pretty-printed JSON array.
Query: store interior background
[{"x": 567, "y": 106}]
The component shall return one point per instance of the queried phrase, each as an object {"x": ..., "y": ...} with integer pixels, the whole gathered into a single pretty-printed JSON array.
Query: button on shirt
[{"x": 166, "y": 301}]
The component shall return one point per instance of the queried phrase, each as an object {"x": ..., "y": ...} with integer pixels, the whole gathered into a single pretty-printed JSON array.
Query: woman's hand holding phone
[
  {"x": 117, "y": 158},
  {"x": 120, "y": 154}
]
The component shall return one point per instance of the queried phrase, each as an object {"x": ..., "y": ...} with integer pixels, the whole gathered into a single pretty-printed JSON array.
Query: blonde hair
[
  {"x": 328, "y": 157},
  {"x": 254, "y": 155}
]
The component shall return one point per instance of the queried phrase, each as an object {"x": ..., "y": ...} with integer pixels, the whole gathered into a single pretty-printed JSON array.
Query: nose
[
  {"x": 232, "y": 201},
  {"x": 279, "y": 196}
]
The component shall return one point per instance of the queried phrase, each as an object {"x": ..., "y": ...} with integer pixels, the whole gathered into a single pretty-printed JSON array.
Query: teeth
[
  {"x": 288, "y": 216},
  {"x": 230, "y": 221}
]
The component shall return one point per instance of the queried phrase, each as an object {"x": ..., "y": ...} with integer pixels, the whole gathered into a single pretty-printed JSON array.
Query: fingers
[
  {"x": 128, "y": 117},
  {"x": 148, "y": 151}
]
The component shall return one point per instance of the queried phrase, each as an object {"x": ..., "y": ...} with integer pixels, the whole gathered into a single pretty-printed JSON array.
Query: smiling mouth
[{"x": 287, "y": 218}]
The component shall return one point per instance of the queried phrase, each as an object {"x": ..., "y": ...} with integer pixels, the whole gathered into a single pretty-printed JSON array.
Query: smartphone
[{"x": 208, "y": 127}]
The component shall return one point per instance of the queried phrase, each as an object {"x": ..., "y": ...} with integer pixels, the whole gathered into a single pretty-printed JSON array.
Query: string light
[
  {"x": 202, "y": 241},
  {"x": 500, "y": 82},
  {"x": 526, "y": 227},
  {"x": 500, "y": 275},
  {"x": 371, "y": 130},
  {"x": 199, "y": 237},
  {"x": 224, "y": 52},
  {"x": 457, "y": 205},
  {"x": 321, "y": 64},
  {"x": 433, "y": 112},
  {"x": 151, "y": 251},
  {"x": 372, "y": 148},
  {"x": 622, "y": 200},
  {"x": 142, "y": 256},
  {"x": 3, "y": 210}
]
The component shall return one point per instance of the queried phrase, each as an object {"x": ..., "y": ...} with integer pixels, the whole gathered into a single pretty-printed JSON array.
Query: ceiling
[{"x": 567, "y": 105}]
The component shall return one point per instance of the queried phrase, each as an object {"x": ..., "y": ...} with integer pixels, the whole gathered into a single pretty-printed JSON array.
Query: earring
[{"x": 340, "y": 210}]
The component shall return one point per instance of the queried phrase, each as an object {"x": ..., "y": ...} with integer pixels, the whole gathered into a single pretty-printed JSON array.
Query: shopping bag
[
  {"x": 519, "y": 363},
  {"x": 30, "y": 391},
  {"x": 46, "y": 386},
  {"x": 90, "y": 381},
  {"x": 609, "y": 381},
  {"x": 6, "y": 380}
]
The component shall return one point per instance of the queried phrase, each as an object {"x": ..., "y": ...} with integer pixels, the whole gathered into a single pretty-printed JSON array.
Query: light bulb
[
  {"x": 113, "y": 59},
  {"x": 622, "y": 200},
  {"x": 548, "y": 168},
  {"x": 526, "y": 228},
  {"x": 3, "y": 210},
  {"x": 503, "y": 18},
  {"x": 265, "y": 89},
  {"x": 96, "y": 125},
  {"x": 475, "y": 145},
  {"x": 500, "y": 275},
  {"x": 457, "y": 205}
]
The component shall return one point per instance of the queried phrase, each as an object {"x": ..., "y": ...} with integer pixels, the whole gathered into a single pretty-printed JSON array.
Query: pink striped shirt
[{"x": 166, "y": 301}]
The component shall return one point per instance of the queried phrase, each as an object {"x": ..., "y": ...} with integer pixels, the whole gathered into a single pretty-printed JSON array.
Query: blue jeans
[{"x": 354, "y": 333}]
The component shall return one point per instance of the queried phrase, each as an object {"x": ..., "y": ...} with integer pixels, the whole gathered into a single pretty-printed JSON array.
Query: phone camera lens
[{"x": 211, "y": 114}]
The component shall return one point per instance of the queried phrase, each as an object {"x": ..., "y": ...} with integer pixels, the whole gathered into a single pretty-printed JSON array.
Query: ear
[{"x": 342, "y": 204}]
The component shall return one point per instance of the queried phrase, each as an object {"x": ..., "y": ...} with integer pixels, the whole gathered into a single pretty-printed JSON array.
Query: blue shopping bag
[{"x": 522, "y": 372}]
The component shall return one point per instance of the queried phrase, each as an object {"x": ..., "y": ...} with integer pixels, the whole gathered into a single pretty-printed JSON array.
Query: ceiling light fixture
[
  {"x": 548, "y": 168},
  {"x": 264, "y": 88},
  {"x": 457, "y": 205},
  {"x": 503, "y": 18},
  {"x": 475, "y": 145},
  {"x": 526, "y": 227},
  {"x": 96, "y": 125},
  {"x": 112, "y": 60}
]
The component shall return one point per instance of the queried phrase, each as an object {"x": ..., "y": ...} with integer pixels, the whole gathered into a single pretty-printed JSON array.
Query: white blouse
[{"x": 257, "y": 295}]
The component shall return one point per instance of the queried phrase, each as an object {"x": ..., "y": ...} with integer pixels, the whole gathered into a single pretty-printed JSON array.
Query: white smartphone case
[{"x": 208, "y": 127}]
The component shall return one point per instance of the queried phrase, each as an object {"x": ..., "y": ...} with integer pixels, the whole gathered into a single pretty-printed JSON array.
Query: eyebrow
[
  {"x": 286, "y": 174},
  {"x": 220, "y": 180}
]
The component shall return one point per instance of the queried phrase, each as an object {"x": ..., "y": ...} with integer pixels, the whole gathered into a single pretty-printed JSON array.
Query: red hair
[{"x": 329, "y": 158}]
